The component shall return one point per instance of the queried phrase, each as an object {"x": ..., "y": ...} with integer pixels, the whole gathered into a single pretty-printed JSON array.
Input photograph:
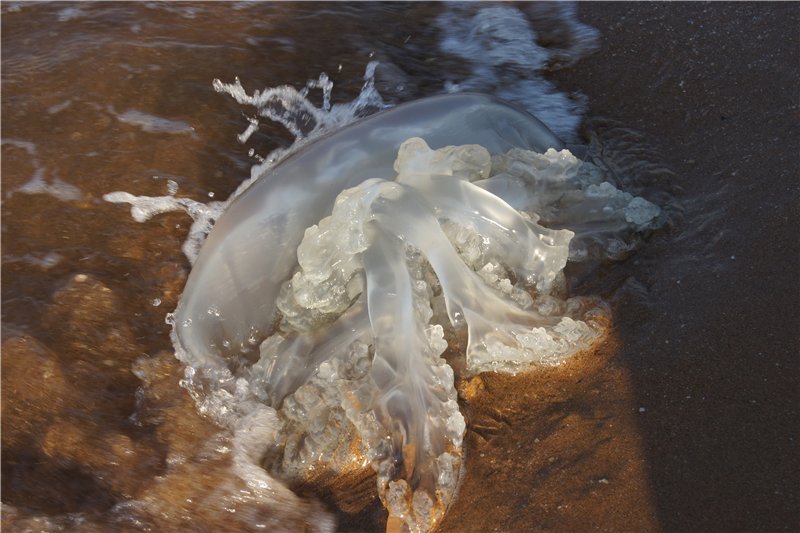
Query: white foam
[
  {"x": 56, "y": 188},
  {"x": 188, "y": 12},
  {"x": 57, "y": 108},
  {"x": 143, "y": 208},
  {"x": 45, "y": 261},
  {"x": 70, "y": 13},
  {"x": 25, "y": 145},
  {"x": 152, "y": 123},
  {"x": 501, "y": 47},
  {"x": 290, "y": 108},
  {"x": 37, "y": 184}
]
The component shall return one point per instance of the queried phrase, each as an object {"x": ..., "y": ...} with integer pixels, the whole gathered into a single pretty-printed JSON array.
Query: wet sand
[
  {"x": 685, "y": 419},
  {"x": 715, "y": 358},
  {"x": 701, "y": 383}
]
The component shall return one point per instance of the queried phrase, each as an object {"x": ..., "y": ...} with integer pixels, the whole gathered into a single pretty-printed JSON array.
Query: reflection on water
[{"x": 117, "y": 96}]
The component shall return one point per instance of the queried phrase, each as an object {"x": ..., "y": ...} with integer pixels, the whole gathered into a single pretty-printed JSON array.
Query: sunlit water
[{"x": 119, "y": 97}]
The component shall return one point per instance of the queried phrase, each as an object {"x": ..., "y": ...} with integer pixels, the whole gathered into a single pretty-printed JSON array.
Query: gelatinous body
[
  {"x": 230, "y": 294},
  {"x": 328, "y": 290}
]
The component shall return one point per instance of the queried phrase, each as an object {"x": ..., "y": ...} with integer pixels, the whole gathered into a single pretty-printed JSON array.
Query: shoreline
[
  {"x": 716, "y": 361},
  {"x": 702, "y": 376}
]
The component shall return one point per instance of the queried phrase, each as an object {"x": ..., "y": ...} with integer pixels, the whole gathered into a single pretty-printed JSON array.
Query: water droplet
[
  {"x": 172, "y": 187},
  {"x": 226, "y": 343},
  {"x": 170, "y": 319},
  {"x": 156, "y": 302},
  {"x": 187, "y": 323},
  {"x": 213, "y": 311},
  {"x": 211, "y": 194}
]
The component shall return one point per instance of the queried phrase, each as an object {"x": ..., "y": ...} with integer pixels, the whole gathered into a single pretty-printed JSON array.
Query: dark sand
[
  {"x": 716, "y": 87},
  {"x": 702, "y": 383}
]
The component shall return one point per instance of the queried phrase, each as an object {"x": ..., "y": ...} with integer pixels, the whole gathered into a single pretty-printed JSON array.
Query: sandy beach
[
  {"x": 684, "y": 419},
  {"x": 701, "y": 385},
  {"x": 712, "y": 357}
]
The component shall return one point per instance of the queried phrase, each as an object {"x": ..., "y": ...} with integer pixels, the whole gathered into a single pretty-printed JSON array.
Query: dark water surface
[{"x": 684, "y": 420}]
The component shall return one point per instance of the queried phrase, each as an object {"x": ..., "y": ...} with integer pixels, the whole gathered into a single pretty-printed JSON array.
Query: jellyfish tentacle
[
  {"x": 417, "y": 394},
  {"x": 288, "y": 361},
  {"x": 535, "y": 253},
  {"x": 444, "y": 176},
  {"x": 499, "y": 331}
]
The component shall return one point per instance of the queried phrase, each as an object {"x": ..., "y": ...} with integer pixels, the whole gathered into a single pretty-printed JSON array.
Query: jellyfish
[
  {"x": 253, "y": 247},
  {"x": 331, "y": 288}
]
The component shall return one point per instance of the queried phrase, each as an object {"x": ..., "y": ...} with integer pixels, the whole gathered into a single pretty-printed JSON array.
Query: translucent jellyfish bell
[{"x": 252, "y": 248}]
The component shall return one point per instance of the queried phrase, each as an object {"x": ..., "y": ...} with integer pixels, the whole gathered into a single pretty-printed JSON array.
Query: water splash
[
  {"x": 291, "y": 108},
  {"x": 501, "y": 46},
  {"x": 37, "y": 184},
  {"x": 284, "y": 105},
  {"x": 152, "y": 123}
]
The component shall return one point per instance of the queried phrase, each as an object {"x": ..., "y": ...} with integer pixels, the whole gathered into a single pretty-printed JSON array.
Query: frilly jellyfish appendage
[
  {"x": 330, "y": 286},
  {"x": 252, "y": 248}
]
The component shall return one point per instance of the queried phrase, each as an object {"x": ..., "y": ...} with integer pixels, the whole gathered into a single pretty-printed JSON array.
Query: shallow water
[{"x": 98, "y": 434}]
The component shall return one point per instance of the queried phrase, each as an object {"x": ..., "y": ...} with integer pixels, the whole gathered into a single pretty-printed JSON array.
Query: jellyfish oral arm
[{"x": 252, "y": 248}]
